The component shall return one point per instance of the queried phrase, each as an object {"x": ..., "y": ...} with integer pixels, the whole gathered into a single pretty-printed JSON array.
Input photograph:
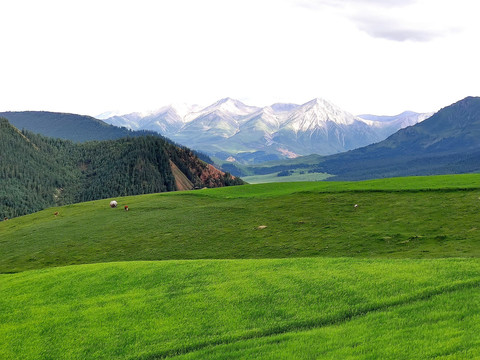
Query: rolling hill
[
  {"x": 302, "y": 219},
  {"x": 320, "y": 279}
]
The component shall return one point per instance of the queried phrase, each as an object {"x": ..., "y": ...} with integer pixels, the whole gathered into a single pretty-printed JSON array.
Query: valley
[
  {"x": 380, "y": 268},
  {"x": 240, "y": 180}
]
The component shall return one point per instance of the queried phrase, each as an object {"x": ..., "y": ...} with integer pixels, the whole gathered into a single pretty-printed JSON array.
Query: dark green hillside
[
  {"x": 32, "y": 172},
  {"x": 78, "y": 128},
  {"x": 38, "y": 172},
  {"x": 445, "y": 143}
]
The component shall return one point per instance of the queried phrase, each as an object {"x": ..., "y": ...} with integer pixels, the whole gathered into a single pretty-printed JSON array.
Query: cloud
[
  {"x": 396, "y": 29},
  {"x": 395, "y": 20},
  {"x": 344, "y": 3}
]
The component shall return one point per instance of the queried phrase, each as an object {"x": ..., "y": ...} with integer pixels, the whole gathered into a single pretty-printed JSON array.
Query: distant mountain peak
[
  {"x": 107, "y": 114},
  {"x": 318, "y": 101},
  {"x": 316, "y": 113},
  {"x": 317, "y": 126},
  {"x": 228, "y": 106},
  {"x": 226, "y": 99}
]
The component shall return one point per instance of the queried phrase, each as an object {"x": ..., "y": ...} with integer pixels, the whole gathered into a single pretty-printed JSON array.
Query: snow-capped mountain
[
  {"x": 231, "y": 129},
  {"x": 226, "y": 107},
  {"x": 107, "y": 114},
  {"x": 321, "y": 127},
  {"x": 388, "y": 125},
  {"x": 165, "y": 120}
]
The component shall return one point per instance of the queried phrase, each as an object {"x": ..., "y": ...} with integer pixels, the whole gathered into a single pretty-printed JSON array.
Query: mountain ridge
[
  {"x": 231, "y": 129},
  {"x": 68, "y": 126}
]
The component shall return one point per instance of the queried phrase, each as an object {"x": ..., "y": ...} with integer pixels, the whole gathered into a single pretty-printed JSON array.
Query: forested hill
[
  {"x": 446, "y": 143},
  {"x": 38, "y": 172},
  {"x": 78, "y": 128}
]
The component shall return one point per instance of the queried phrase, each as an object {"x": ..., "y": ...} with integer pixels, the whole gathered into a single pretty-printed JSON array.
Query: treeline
[{"x": 38, "y": 172}]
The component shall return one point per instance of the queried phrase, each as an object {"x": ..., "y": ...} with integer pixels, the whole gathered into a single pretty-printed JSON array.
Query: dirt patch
[{"x": 181, "y": 180}]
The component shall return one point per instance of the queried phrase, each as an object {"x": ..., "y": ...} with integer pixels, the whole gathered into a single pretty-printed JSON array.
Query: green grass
[
  {"x": 398, "y": 277},
  {"x": 302, "y": 219},
  {"x": 297, "y": 175},
  {"x": 413, "y": 183},
  {"x": 444, "y": 326},
  {"x": 272, "y": 308}
]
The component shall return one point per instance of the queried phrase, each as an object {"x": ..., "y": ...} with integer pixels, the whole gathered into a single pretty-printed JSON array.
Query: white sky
[{"x": 367, "y": 56}]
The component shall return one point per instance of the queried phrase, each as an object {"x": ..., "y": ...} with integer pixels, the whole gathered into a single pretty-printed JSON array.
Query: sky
[{"x": 367, "y": 56}]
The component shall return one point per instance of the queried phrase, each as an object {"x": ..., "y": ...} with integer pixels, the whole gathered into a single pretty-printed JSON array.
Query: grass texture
[
  {"x": 267, "y": 271},
  {"x": 395, "y": 218},
  {"x": 224, "y": 309}
]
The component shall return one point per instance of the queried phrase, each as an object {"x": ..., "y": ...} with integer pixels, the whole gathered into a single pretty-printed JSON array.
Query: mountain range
[
  {"x": 234, "y": 131},
  {"x": 445, "y": 143}
]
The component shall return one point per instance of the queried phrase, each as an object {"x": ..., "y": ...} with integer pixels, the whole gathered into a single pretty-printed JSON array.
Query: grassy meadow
[
  {"x": 397, "y": 277},
  {"x": 395, "y": 218},
  {"x": 216, "y": 308},
  {"x": 296, "y": 175}
]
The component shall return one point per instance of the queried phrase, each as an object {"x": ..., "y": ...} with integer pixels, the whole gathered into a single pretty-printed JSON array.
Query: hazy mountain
[
  {"x": 208, "y": 128},
  {"x": 73, "y": 127},
  {"x": 166, "y": 120},
  {"x": 107, "y": 114},
  {"x": 225, "y": 107},
  {"x": 388, "y": 125},
  {"x": 231, "y": 129}
]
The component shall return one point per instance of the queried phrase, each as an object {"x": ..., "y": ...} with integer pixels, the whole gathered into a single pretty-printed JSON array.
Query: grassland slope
[
  {"x": 227, "y": 309},
  {"x": 321, "y": 278},
  {"x": 398, "y": 218}
]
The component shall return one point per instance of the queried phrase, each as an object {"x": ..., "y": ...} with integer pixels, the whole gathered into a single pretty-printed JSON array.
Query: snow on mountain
[
  {"x": 321, "y": 127},
  {"x": 225, "y": 107},
  {"x": 231, "y": 127},
  {"x": 107, "y": 114},
  {"x": 129, "y": 121},
  {"x": 316, "y": 114},
  {"x": 387, "y": 125},
  {"x": 165, "y": 120},
  {"x": 407, "y": 118},
  {"x": 264, "y": 119},
  {"x": 207, "y": 128},
  {"x": 257, "y": 129}
]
